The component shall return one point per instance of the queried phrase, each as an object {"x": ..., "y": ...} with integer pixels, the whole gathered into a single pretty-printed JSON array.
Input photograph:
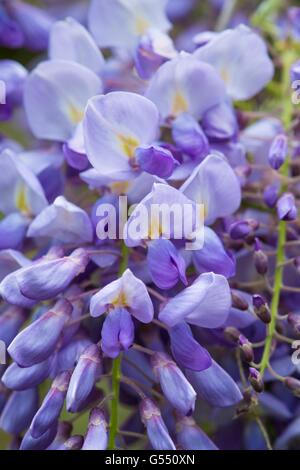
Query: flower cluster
[{"x": 147, "y": 335}]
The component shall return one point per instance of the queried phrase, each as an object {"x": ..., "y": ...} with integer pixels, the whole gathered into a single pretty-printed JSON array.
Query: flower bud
[
  {"x": 293, "y": 384},
  {"x": 246, "y": 349},
  {"x": 85, "y": 374},
  {"x": 278, "y": 151},
  {"x": 52, "y": 405},
  {"x": 271, "y": 194},
  {"x": 64, "y": 430},
  {"x": 256, "y": 380},
  {"x": 157, "y": 431},
  {"x": 19, "y": 411},
  {"x": 260, "y": 259},
  {"x": 21, "y": 378},
  {"x": 96, "y": 437},
  {"x": 11, "y": 321},
  {"x": 261, "y": 308},
  {"x": 242, "y": 228},
  {"x": 190, "y": 436},
  {"x": 232, "y": 334},
  {"x": 294, "y": 321},
  {"x": 38, "y": 341},
  {"x": 73, "y": 443},
  {"x": 42, "y": 442},
  {"x": 286, "y": 207},
  {"x": 238, "y": 302},
  {"x": 174, "y": 384}
]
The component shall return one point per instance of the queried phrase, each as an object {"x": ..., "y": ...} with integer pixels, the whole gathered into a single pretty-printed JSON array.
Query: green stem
[
  {"x": 116, "y": 373},
  {"x": 113, "y": 425},
  {"x": 282, "y": 231}
]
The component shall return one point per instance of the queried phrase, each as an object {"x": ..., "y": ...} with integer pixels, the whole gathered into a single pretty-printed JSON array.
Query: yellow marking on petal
[
  {"x": 21, "y": 199},
  {"x": 119, "y": 187},
  {"x": 76, "y": 114},
  {"x": 120, "y": 300},
  {"x": 128, "y": 144},
  {"x": 155, "y": 229},
  {"x": 180, "y": 104},
  {"x": 224, "y": 74},
  {"x": 141, "y": 25}
]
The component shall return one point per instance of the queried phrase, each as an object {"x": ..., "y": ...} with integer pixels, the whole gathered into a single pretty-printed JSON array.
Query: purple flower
[
  {"x": 286, "y": 207},
  {"x": 189, "y": 136},
  {"x": 213, "y": 256},
  {"x": 120, "y": 24},
  {"x": 43, "y": 279},
  {"x": 117, "y": 332},
  {"x": 96, "y": 437},
  {"x": 191, "y": 437},
  {"x": 40, "y": 443},
  {"x": 165, "y": 263},
  {"x": 51, "y": 407},
  {"x": 205, "y": 303},
  {"x": 20, "y": 188},
  {"x": 85, "y": 374},
  {"x": 19, "y": 411},
  {"x": 214, "y": 184},
  {"x": 13, "y": 74},
  {"x": 78, "y": 45},
  {"x": 156, "y": 429},
  {"x": 147, "y": 223},
  {"x": 187, "y": 352},
  {"x": 11, "y": 321},
  {"x": 156, "y": 160},
  {"x": 154, "y": 48},
  {"x": 174, "y": 384},
  {"x": 215, "y": 386},
  {"x": 22, "y": 378},
  {"x": 12, "y": 230},
  {"x": 278, "y": 151},
  {"x": 127, "y": 292},
  {"x": 34, "y": 23},
  {"x": 185, "y": 85},
  {"x": 51, "y": 223},
  {"x": 55, "y": 95},
  {"x": 220, "y": 123},
  {"x": 37, "y": 342},
  {"x": 241, "y": 58},
  {"x": 117, "y": 124}
]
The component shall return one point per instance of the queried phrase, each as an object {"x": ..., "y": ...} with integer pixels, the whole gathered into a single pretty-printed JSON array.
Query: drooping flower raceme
[{"x": 149, "y": 235}]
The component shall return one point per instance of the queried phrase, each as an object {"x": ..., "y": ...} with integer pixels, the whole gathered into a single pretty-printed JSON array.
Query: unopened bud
[
  {"x": 286, "y": 207},
  {"x": 256, "y": 380},
  {"x": 260, "y": 258},
  {"x": 242, "y": 228},
  {"x": 238, "y": 302},
  {"x": 246, "y": 349},
  {"x": 294, "y": 321},
  {"x": 261, "y": 308},
  {"x": 271, "y": 194},
  {"x": 232, "y": 334},
  {"x": 293, "y": 384},
  {"x": 278, "y": 151}
]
